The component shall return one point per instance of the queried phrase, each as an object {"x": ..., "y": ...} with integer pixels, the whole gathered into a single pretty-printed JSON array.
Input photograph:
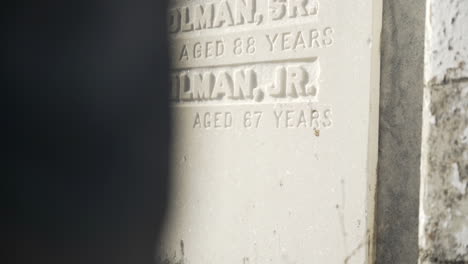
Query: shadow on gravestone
[{"x": 88, "y": 130}]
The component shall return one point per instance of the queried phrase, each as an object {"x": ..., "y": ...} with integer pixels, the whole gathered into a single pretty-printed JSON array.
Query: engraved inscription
[
  {"x": 237, "y": 13},
  {"x": 256, "y": 46},
  {"x": 212, "y": 15},
  {"x": 312, "y": 118},
  {"x": 280, "y": 9},
  {"x": 267, "y": 82},
  {"x": 213, "y": 120},
  {"x": 237, "y": 52},
  {"x": 316, "y": 117},
  {"x": 300, "y": 39}
]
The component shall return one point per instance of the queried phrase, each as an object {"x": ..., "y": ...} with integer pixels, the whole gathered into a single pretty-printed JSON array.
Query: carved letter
[
  {"x": 272, "y": 41},
  {"x": 297, "y": 6},
  {"x": 185, "y": 91},
  {"x": 201, "y": 85},
  {"x": 245, "y": 10},
  {"x": 186, "y": 24},
  {"x": 277, "y": 9},
  {"x": 174, "y": 20},
  {"x": 278, "y": 87},
  {"x": 295, "y": 81},
  {"x": 203, "y": 16},
  {"x": 223, "y": 15},
  {"x": 222, "y": 86},
  {"x": 243, "y": 84}
]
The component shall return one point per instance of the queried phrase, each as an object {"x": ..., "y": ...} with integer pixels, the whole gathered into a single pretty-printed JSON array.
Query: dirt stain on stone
[{"x": 317, "y": 132}]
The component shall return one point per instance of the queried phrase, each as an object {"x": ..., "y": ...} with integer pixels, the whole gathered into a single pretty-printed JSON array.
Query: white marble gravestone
[{"x": 275, "y": 106}]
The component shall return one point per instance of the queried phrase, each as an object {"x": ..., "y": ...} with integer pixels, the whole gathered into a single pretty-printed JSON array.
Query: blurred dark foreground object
[{"x": 88, "y": 130}]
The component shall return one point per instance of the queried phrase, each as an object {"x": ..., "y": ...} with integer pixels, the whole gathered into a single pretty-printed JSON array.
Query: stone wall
[{"x": 443, "y": 234}]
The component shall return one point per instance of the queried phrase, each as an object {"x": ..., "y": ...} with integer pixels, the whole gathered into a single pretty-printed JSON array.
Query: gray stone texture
[
  {"x": 401, "y": 95},
  {"x": 444, "y": 164},
  {"x": 444, "y": 216}
]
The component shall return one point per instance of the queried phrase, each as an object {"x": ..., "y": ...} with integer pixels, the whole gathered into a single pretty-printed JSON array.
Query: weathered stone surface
[
  {"x": 444, "y": 164},
  {"x": 444, "y": 199},
  {"x": 446, "y": 41},
  {"x": 401, "y": 93},
  {"x": 275, "y": 138}
]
